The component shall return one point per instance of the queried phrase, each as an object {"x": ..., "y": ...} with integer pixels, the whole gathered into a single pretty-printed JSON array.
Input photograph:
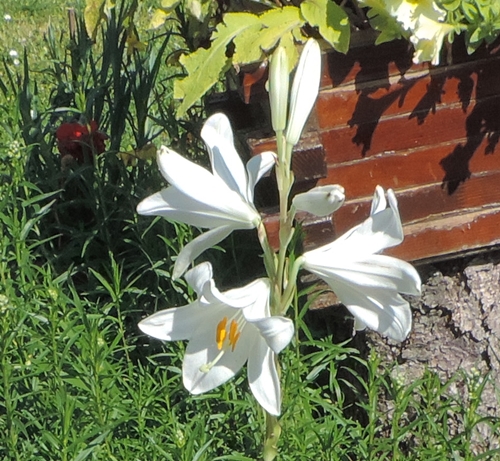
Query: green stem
[
  {"x": 291, "y": 287},
  {"x": 273, "y": 432}
]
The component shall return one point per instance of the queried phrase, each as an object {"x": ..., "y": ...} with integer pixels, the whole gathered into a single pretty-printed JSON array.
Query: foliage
[
  {"x": 78, "y": 269},
  {"x": 252, "y": 37},
  {"x": 481, "y": 20},
  {"x": 243, "y": 37}
]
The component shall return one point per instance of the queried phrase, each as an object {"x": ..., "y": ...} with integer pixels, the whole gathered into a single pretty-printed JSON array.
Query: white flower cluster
[
  {"x": 422, "y": 22},
  {"x": 225, "y": 330}
]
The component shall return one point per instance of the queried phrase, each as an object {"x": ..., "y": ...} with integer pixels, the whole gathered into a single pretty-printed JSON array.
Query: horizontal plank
[
  {"x": 425, "y": 203},
  {"x": 400, "y": 133},
  {"x": 448, "y": 164},
  {"x": 369, "y": 62},
  {"x": 462, "y": 233},
  {"x": 416, "y": 97},
  {"x": 431, "y": 240}
]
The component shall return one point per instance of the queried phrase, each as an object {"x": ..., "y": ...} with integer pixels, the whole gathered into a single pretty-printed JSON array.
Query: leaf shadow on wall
[
  {"x": 484, "y": 118},
  {"x": 482, "y": 122},
  {"x": 374, "y": 63}
]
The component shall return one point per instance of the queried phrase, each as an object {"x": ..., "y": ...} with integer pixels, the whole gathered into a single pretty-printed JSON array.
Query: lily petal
[
  {"x": 173, "y": 324},
  {"x": 373, "y": 271},
  {"x": 379, "y": 203},
  {"x": 199, "y": 276},
  {"x": 263, "y": 378},
  {"x": 197, "y": 246},
  {"x": 257, "y": 167},
  {"x": 254, "y": 295},
  {"x": 321, "y": 200},
  {"x": 380, "y": 310},
  {"x": 277, "y": 331},
  {"x": 202, "y": 349},
  {"x": 375, "y": 234},
  {"x": 176, "y": 206},
  {"x": 203, "y": 187},
  {"x": 226, "y": 162}
]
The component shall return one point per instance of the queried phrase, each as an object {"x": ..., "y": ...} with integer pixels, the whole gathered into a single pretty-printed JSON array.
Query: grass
[{"x": 79, "y": 269}]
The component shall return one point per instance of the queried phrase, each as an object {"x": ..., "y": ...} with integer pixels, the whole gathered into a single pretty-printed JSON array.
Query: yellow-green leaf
[
  {"x": 158, "y": 19},
  {"x": 247, "y": 48},
  {"x": 288, "y": 43},
  {"x": 331, "y": 20},
  {"x": 262, "y": 37},
  {"x": 93, "y": 15},
  {"x": 205, "y": 66},
  {"x": 278, "y": 22}
]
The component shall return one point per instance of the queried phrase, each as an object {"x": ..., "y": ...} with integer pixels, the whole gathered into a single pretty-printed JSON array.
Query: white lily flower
[
  {"x": 221, "y": 201},
  {"x": 305, "y": 89},
  {"x": 321, "y": 200},
  {"x": 408, "y": 12},
  {"x": 424, "y": 21},
  {"x": 421, "y": 21},
  {"x": 427, "y": 39},
  {"x": 224, "y": 331},
  {"x": 367, "y": 283}
]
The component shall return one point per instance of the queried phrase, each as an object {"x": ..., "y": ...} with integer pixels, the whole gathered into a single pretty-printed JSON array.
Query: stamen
[
  {"x": 234, "y": 334},
  {"x": 221, "y": 333},
  {"x": 208, "y": 366}
]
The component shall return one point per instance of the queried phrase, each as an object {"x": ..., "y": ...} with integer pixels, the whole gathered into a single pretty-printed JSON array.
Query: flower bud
[
  {"x": 279, "y": 79},
  {"x": 320, "y": 201},
  {"x": 304, "y": 90}
]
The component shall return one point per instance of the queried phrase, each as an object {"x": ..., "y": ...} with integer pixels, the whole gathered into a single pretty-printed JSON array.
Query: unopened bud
[
  {"x": 304, "y": 90},
  {"x": 320, "y": 201},
  {"x": 279, "y": 81}
]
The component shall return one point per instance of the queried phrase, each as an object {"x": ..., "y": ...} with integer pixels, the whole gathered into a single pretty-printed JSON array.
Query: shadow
[
  {"x": 430, "y": 99},
  {"x": 482, "y": 123},
  {"x": 336, "y": 324},
  {"x": 372, "y": 66},
  {"x": 367, "y": 114}
]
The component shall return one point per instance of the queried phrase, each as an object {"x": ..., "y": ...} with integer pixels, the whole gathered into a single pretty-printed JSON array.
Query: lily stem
[{"x": 273, "y": 432}]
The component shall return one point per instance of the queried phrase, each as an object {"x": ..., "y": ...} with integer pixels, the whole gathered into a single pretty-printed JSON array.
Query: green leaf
[
  {"x": 205, "y": 66},
  {"x": 470, "y": 12},
  {"x": 93, "y": 15},
  {"x": 382, "y": 21},
  {"x": 273, "y": 25},
  {"x": 288, "y": 43},
  {"x": 159, "y": 18},
  {"x": 331, "y": 20},
  {"x": 277, "y": 23},
  {"x": 247, "y": 45},
  {"x": 451, "y": 5}
]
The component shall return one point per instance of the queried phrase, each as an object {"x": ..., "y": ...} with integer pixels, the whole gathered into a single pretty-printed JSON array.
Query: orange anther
[
  {"x": 221, "y": 333},
  {"x": 234, "y": 334}
]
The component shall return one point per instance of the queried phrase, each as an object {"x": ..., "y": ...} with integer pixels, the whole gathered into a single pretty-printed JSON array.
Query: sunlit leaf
[
  {"x": 331, "y": 20},
  {"x": 205, "y": 66},
  {"x": 93, "y": 15}
]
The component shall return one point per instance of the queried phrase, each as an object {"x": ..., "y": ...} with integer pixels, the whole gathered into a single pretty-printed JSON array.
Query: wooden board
[{"x": 430, "y": 133}]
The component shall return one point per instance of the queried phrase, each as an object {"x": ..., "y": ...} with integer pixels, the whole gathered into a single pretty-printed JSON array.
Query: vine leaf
[
  {"x": 251, "y": 35},
  {"x": 331, "y": 20},
  {"x": 205, "y": 65}
]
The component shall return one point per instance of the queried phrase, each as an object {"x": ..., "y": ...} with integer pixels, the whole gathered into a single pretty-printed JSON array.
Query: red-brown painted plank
[{"x": 447, "y": 164}]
